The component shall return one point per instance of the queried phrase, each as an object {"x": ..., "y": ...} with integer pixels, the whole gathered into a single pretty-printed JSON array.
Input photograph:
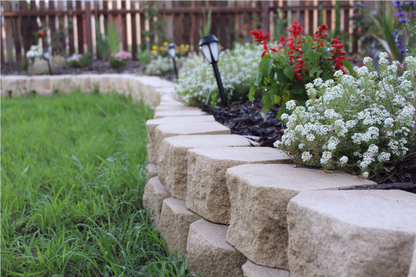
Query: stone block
[
  {"x": 176, "y": 113},
  {"x": 38, "y": 83},
  {"x": 151, "y": 171},
  {"x": 14, "y": 84},
  {"x": 412, "y": 270},
  {"x": 154, "y": 194},
  {"x": 153, "y": 123},
  {"x": 62, "y": 83},
  {"x": 174, "y": 224},
  {"x": 207, "y": 193},
  {"x": 174, "y": 108},
  {"x": 83, "y": 82},
  {"x": 166, "y": 98},
  {"x": 351, "y": 233},
  {"x": 105, "y": 83},
  {"x": 251, "y": 269},
  {"x": 259, "y": 196},
  {"x": 173, "y": 162},
  {"x": 171, "y": 103},
  {"x": 195, "y": 128},
  {"x": 208, "y": 252}
]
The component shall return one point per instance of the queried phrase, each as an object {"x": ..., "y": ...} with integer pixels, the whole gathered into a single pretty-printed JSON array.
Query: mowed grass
[{"x": 72, "y": 174}]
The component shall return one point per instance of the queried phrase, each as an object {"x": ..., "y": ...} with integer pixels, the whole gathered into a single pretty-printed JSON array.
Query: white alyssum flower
[
  {"x": 356, "y": 123},
  {"x": 290, "y": 105},
  {"x": 306, "y": 156}
]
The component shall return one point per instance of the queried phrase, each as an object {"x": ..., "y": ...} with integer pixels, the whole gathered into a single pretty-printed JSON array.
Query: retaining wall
[{"x": 240, "y": 210}]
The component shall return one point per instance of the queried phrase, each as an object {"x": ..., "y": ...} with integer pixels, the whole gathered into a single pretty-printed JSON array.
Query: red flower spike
[
  {"x": 322, "y": 44},
  {"x": 282, "y": 40},
  {"x": 265, "y": 46},
  {"x": 264, "y": 53}
]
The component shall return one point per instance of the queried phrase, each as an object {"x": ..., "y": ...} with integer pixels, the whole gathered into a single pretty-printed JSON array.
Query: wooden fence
[{"x": 181, "y": 21}]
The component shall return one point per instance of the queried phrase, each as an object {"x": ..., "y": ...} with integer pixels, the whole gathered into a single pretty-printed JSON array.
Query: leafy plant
[
  {"x": 144, "y": 56},
  {"x": 279, "y": 25},
  {"x": 353, "y": 124},
  {"x": 297, "y": 60},
  {"x": 386, "y": 25},
  {"x": 102, "y": 43},
  {"x": 80, "y": 61},
  {"x": 113, "y": 38},
  {"x": 205, "y": 30}
]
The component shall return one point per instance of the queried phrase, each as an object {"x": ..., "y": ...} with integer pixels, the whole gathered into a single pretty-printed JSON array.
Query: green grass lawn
[{"x": 72, "y": 174}]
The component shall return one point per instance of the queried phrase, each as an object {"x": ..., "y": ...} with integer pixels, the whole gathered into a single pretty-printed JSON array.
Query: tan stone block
[
  {"x": 174, "y": 108},
  {"x": 38, "y": 83},
  {"x": 251, "y": 269},
  {"x": 207, "y": 192},
  {"x": 208, "y": 252},
  {"x": 153, "y": 123},
  {"x": 14, "y": 84},
  {"x": 176, "y": 113},
  {"x": 174, "y": 224},
  {"x": 173, "y": 161},
  {"x": 171, "y": 103},
  {"x": 259, "y": 195},
  {"x": 153, "y": 196},
  {"x": 62, "y": 83},
  {"x": 412, "y": 270},
  {"x": 351, "y": 233},
  {"x": 166, "y": 98},
  {"x": 105, "y": 83},
  {"x": 83, "y": 82},
  {"x": 151, "y": 171},
  {"x": 44, "y": 92},
  {"x": 195, "y": 128}
]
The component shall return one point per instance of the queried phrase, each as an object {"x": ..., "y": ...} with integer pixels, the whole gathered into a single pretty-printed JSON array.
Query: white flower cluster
[
  {"x": 74, "y": 57},
  {"x": 238, "y": 68},
  {"x": 356, "y": 124},
  {"x": 162, "y": 65},
  {"x": 35, "y": 52}
]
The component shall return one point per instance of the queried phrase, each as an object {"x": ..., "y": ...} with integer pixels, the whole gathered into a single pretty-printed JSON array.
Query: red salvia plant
[{"x": 295, "y": 61}]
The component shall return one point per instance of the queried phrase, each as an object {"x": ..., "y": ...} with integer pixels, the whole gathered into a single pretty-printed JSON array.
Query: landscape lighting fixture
[
  {"x": 172, "y": 53},
  {"x": 209, "y": 47},
  {"x": 46, "y": 56}
]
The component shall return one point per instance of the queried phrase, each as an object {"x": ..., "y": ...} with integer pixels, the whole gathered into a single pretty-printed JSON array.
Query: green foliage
[
  {"x": 102, "y": 42},
  {"x": 72, "y": 185},
  {"x": 158, "y": 31},
  {"x": 117, "y": 63},
  {"x": 144, "y": 56},
  {"x": 386, "y": 24},
  {"x": 279, "y": 25},
  {"x": 113, "y": 38},
  {"x": 205, "y": 30},
  {"x": 81, "y": 62}
]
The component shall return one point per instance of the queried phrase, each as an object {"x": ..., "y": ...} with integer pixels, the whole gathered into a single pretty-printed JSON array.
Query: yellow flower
[
  {"x": 154, "y": 47},
  {"x": 154, "y": 51},
  {"x": 178, "y": 48},
  {"x": 165, "y": 44},
  {"x": 161, "y": 48}
]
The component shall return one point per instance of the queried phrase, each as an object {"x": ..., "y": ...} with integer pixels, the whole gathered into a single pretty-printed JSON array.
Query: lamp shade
[
  {"x": 172, "y": 50},
  {"x": 46, "y": 54},
  {"x": 209, "y": 47}
]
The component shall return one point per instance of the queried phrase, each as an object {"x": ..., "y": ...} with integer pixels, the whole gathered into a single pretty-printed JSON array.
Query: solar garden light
[
  {"x": 172, "y": 53},
  {"x": 209, "y": 47},
  {"x": 46, "y": 56}
]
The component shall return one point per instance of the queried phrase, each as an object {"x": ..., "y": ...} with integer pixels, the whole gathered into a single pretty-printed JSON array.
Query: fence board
[
  {"x": 231, "y": 23},
  {"x": 52, "y": 25},
  {"x": 1, "y": 40},
  {"x": 214, "y": 19},
  {"x": 133, "y": 30},
  {"x": 34, "y": 28},
  {"x": 223, "y": 26},
  {"x": 195, "y": 27},
  {"x": 169, "y": 20},
  {"x": 80, "y": 29},
  {"x": 124, "y": 24},
  {"x": 25, "y": 27},
  {"x": 142, "y": 24},
  {"x": 186, "y": 35},
  {"x": 42, "y": 18},
  {"x": 16, "y": 32},
  {"x": 346, "y": 25},
  {"x": 9, "y": 36},
  {"x": 178, "y": 24},
  {"x": 88, "y": 26},
  {"x": 71, "y": 34}
]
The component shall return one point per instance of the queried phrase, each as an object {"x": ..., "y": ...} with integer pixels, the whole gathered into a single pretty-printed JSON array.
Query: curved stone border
[{"x": 146, "y": 88}]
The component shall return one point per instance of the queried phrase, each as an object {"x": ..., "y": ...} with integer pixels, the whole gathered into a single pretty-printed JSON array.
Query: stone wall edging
[{"x": 146, "y": 88}]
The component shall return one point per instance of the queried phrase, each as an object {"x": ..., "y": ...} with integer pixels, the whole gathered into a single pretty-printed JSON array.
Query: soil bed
[{"x": 247, "y": 119}]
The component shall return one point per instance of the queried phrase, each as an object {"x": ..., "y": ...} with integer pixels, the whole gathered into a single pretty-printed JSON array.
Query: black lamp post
[
  {"x": 47, "y": 57},
  {"x": 172, "y": 53},
  {"x": 209, "y": 47}
]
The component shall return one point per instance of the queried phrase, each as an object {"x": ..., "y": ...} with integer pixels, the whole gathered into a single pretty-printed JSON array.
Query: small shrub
[
  {"x": 144, "y": 57},
  {"x": 162, "y": 65},
  {"x": 80, "y": 61},
  {"x": 355, "y": 124},
  {"x": 24, "y": 64},
  {"x": 120, "y": 59},
  {"x": 238, "y": 68}
]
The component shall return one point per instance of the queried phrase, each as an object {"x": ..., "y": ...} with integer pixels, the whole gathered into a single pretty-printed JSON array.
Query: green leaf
[
  {"x": 277, "y": 99},
  {"x": 214, "y": 99},
  {"x": 326, "y": 75},
  {"x": 298, "y": 88},
  {"x": 326, "y": 53},
  {"x": 288, "y": 71},
  {"x": 309, "y": 38},
  {"x": 348, "y": 65},
  {"x": 281, "y": 78},
  {"x": 252, "y": 93},
  {"x": 315, "y": 71},
  {"x": 265, "y": 66},
  {"x": 258, "y": 79},
  {"x": 268, "y": 101},
  {"x": 313, "y": 56}
]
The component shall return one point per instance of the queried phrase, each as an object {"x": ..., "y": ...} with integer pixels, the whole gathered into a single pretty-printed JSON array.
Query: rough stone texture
[
  {"x": 173, "y": 162},
  {"x": 176, "y": 113},
  {"x": 207, "y": 192},
  {"x": 412, "y": 270},
  {"x": 186, "y": 128},
  {"x": 38, "y": 83},
  {"x": 259, "y": 195},
  {"x": 154, "y": 194},
  {"x": 62, "y": 83},
  {"x": 174, "y": 224},
  {"x": 251, "y": 269},
  {"x": 153, "y": 123},
  {"x": 351, "y": 233},
  {"x": 161, "y": 108},
  {"x": 151, "y": 171},
  {"x": 208, "y": 252},
  {"x": 14, "y": 84}
]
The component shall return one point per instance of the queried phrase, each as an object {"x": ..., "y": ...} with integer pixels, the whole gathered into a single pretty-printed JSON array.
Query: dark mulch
[
  {"x": 247, "y": 119},
  {"x": 97, "y": 67}
]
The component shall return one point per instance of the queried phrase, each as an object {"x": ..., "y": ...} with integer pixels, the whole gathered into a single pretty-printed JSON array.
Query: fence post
[
  {"x": 88, "y": 26},
  {"x": 1, "y": 43},
  {"x": 133, "y": 29},
  {"x": 80, "y": 28},
  {"x": 25, "y": 27},
  {"x": 124, "y": 24},
  {"x": 52, "y": 24},
  {"x": 169, "y": 20},
  {"x": 8, "y": 29},
  {"x": 178, "y": 24},
  {"x": 70, "y": 9}
]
